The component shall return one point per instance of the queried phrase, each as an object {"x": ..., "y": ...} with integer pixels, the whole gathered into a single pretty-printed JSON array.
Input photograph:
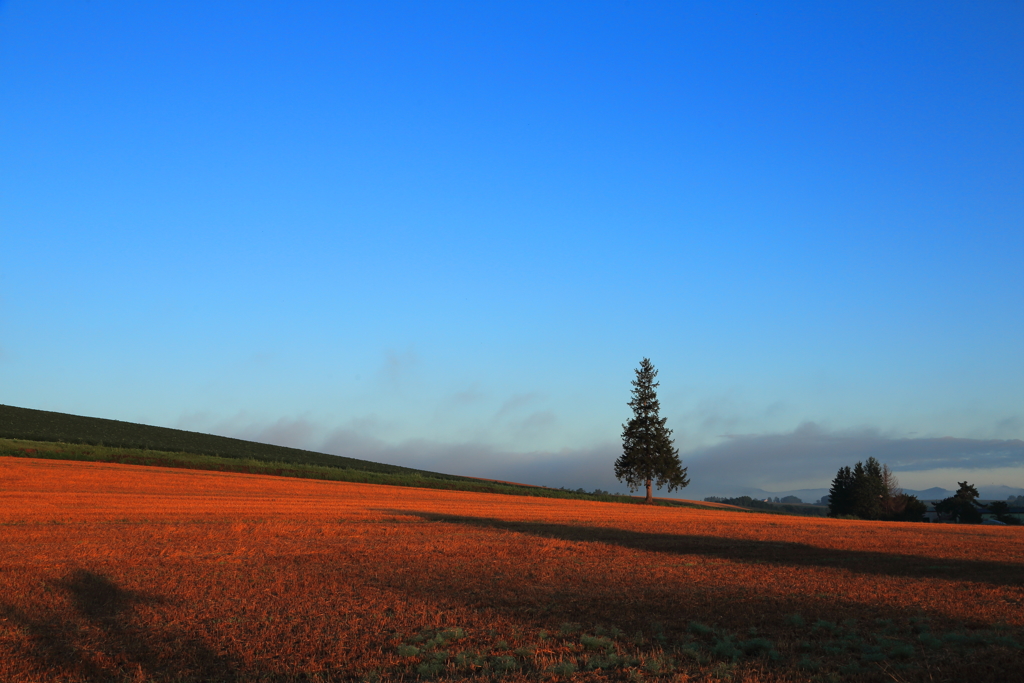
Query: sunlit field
[{"x": 122, "y": 572}]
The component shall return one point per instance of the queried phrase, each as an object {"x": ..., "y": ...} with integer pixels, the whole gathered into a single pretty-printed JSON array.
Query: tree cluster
[
  {"x": 870, "y": 491},
  {"x": 1000, "y": 510}
]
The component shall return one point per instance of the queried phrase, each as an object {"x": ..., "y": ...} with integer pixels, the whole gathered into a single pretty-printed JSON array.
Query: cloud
[
  {"x": 805, "y": 458},
  {"x": 297, "y": 433},
  {"x": 398, "y": 366},
  {"x": 1009, "y": 426},
  {"x": 468, "y": 396},
  {"x": 515, "y": 403},
  {"x": 536, "y": 423},
  {"x": 574, "y": 468},
  {"x": 809, "y": 456}
]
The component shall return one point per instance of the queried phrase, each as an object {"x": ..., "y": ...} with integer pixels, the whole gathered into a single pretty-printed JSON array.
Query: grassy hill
[
  {"x": 41, "y": 425},
  {"x": 41, "y": 434}
]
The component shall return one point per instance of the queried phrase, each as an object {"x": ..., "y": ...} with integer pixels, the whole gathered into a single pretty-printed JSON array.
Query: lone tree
[{"x": 648, "y": 456}]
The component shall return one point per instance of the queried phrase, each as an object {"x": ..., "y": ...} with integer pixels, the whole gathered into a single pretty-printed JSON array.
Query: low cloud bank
[
  {"x": 804, "y": 459},
  {"x": 588, "y": 468},
  {"x": 809, "y": 456}
]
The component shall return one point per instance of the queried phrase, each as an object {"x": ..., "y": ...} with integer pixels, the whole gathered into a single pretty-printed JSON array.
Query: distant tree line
[
  {"x": 870, "y": 491},
  {"x": 963, "y": 508},
  {"x": 584, "y": 492},
  {"x": 778, "y": 506},
  {"x": 1000, "y": 509}
]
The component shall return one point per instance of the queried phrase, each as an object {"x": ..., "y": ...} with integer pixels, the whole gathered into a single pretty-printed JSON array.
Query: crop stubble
[{"x": 121, "y": 572}]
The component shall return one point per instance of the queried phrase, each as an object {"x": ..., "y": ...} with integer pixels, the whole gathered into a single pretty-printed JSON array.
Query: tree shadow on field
[
  {"x": 783, "y": 553},
  {"x": 479, "y": 583},
  {"x": 98, "y": 637}
]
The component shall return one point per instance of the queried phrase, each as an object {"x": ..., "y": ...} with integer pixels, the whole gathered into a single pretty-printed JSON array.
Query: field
[
  {"x": 20, "y": 448},
  {"x": 128, "y": 573},
  {"x": 44, "y": 434}
]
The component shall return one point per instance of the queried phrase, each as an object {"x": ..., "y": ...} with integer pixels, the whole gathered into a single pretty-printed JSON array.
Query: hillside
[
  {"x": 41, "y": 425},
  {"x": 58, "y": 436}
]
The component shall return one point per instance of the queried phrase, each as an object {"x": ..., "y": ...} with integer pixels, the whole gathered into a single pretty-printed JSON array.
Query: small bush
[
  {"x": 653, "y": 665},
  {"x": 901, "y": 651},
  {"x": 872, "y": 653},
  {"x": 758, "y": 646},
  {"x": 822, "y": 625},
  {"x": 808, "y": 664},
  {"x": 504, "y": 664},
  {"x": 452, "y": 633},
  {"x": 725, "y": 648},
  {"x": 596, "y": 643},
  {"x": 611, "y": 632},
  {"x": 609, "y": 661},
  {"x": 430, "y": 669},
  {"x": 852, "y": 668},
  {"x": 701, "y": 629},
  {"x": 564, "y": 669}
]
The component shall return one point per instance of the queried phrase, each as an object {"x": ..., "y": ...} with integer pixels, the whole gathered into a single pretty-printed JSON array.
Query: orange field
[{"x": 127, "y": 573}]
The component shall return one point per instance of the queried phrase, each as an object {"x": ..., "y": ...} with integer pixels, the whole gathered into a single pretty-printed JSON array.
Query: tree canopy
[
  {"x": 961, "y": 505},
  {"x": 648, "y": 455},
  {"x": 870, "y": 491}
]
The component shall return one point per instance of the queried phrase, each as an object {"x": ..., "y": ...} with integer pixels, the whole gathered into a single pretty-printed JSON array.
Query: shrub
[
  {"x": 596, "y": 643},
  {"x": 564, "y": 668},
  {"x": 701, "y": 629},
  {"x": 725, "y": 648}
]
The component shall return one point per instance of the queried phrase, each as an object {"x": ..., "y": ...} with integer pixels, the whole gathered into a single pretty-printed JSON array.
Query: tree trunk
[{"x": 650, "y": 498}]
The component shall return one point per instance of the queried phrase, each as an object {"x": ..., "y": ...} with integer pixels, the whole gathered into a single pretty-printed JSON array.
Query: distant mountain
[
  {"x": 999, "y": 492},
  {"x": 934, "y": 493},
  {"x": 985, "y": 492}
]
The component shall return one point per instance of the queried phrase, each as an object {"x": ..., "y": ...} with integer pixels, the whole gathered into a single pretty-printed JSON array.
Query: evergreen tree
[
  {"x": 648, "y": 456},
  {"x": 869, "y": 489},
  {"x": 841, "y": 495}
]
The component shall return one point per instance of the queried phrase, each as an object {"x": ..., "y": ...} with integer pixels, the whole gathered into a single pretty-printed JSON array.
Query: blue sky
[{"x": 445, "y": 234}]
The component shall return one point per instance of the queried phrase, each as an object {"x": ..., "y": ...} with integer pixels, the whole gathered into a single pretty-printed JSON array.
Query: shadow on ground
[
  {"x": 755, "y": 551},
  {"x": 99, "y": 638}
]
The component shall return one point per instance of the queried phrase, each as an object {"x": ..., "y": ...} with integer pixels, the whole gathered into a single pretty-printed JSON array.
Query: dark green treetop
[
  {"x": 841, "y": 495},
  {"x": 870, "y": 491},
  {"x": 961, "y": 506},
  {"x": 648, "y": 456}
]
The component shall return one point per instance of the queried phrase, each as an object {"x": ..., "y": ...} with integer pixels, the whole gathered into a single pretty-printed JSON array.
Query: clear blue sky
[{"x": 415, "y": 230}]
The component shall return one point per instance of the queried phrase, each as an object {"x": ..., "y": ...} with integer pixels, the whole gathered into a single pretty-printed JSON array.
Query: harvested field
[{"x": 121, "y": 572}]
